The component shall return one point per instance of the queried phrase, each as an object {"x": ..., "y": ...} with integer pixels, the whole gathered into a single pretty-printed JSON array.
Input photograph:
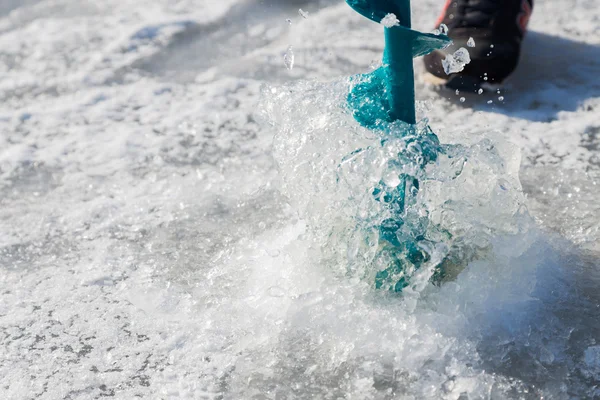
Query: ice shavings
[
  {"x": 468, "y": 206},
  {"x": 441, "y": 30},
  {"x": 456, "y": 62},
  {"x": 302, "y": 13},
  {"x": 288, "y": 58},
  {"x": 390, "y": 20}
]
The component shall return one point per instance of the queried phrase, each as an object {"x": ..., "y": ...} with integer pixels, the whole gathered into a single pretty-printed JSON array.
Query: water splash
[
  {"x": 393, "y": 207},
  {"x": 501, "y": 320}
]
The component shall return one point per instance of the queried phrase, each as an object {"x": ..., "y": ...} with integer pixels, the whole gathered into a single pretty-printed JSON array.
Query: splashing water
[
  {"x": 394, "y": 206},
  {"x": 390, "y": 207},
  {"x": 463, "y": 209}
]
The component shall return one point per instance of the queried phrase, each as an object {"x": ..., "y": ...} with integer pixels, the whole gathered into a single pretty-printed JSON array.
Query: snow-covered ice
[{"x": 148, "y": 246}]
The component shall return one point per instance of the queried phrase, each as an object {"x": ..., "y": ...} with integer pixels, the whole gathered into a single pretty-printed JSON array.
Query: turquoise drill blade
[{"x": 388, "y": 93}]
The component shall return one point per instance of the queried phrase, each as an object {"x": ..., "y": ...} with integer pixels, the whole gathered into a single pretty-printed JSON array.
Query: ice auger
[{"x": 385, "y": 96}]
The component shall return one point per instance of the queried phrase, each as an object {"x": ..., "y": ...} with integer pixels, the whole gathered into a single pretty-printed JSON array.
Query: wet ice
[{"x": 456, "y": 62}]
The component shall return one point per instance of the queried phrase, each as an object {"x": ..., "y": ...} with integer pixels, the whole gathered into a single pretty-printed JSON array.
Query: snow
[{"x": 147, "y": 248}]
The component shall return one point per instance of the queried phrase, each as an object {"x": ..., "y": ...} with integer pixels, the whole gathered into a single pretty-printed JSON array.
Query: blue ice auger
[{"x": 387, "y": 95}]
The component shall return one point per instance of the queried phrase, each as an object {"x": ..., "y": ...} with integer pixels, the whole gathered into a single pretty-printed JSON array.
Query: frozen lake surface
[{"x": 149, "y": 247}]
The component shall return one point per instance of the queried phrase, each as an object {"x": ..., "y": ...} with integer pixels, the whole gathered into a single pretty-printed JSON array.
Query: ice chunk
[
  {"x": 456, "y": 62},
  {"x": 480, "y": 91},
  {"x": 462, "y": 99},
  {"x": 390, "y": 21},
  {"x": 288, "y": 58},
  {"x": 443, "y": 29},
  {"x": 471, "y": 42},
  {"x": 501, "y": 98},
  {"x": 302, "y": 13}
]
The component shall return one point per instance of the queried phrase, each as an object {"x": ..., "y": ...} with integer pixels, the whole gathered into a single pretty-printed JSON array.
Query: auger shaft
[
  {"x": 398, "y": 56},
  {"x": 400, "y": 74}
]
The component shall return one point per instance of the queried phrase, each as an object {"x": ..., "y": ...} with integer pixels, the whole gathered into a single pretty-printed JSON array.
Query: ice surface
[
  {"x": 456, "y": 62},
  {"x": 592, "y": 361},
  {"x": 146, "y": 250}
]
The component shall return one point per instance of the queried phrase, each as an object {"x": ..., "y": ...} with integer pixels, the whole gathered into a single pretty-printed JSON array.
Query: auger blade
[
  {"x": 388, "y": 95},
  {"x": 375, "y": 10}
]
